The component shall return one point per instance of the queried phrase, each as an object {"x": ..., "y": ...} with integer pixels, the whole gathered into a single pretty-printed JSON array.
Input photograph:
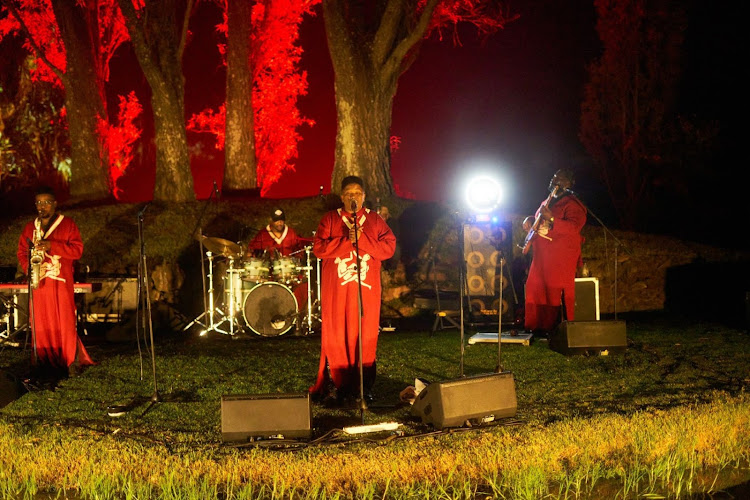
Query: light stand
[
  {"x": 461, "y": 292},
  {"x": 145, "y": 301}
]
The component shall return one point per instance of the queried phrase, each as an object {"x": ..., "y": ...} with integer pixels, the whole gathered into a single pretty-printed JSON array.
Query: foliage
[
  {"x": 119, "y": 138},
  {"x": 630, "y": 123},
  {"x": 277, "y": 84},
  {"x": 35, "y": 21},
  {"x": 33, "y": 138}
]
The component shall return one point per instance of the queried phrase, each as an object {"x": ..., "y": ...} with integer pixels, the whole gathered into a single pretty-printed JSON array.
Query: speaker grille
[
  {"x": 451, "y": 403},
  {"x": 265, "y": 415}
]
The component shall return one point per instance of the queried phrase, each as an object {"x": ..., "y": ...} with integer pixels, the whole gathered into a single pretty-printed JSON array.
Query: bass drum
[{"x": 270, "y": 309}]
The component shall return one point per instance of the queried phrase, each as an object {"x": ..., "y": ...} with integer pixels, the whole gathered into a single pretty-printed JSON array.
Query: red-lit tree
[
  {"x": 372, "y": 44},
  {"x": 260, "y": 145},
  {"x": 628, "y": 118},
  {"x": 158, "y": 30},
  {"x": 73, "y": 43}
]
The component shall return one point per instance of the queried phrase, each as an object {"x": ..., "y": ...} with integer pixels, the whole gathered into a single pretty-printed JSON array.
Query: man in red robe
[
  {"x": 52, "y": 310},
  {"x": 276, "y": 236},
  {"x": 557, "y": 253},
  {"x": 278, "y": 240},
  {"x": 334, "y": 243}
]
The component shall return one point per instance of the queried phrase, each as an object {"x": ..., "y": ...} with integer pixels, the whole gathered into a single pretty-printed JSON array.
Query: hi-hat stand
[{"x": 210, "y": 308}]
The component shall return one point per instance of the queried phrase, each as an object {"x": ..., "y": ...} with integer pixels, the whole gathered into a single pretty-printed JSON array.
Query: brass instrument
[{"x": 37, "y": 256}]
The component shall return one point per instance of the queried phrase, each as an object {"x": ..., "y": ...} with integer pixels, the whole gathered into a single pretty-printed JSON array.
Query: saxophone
[{"x": 37, "y": 256}]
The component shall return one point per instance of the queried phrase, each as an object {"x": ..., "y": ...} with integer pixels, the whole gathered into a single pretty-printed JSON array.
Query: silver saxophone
[{"x": 37, "y": 256}]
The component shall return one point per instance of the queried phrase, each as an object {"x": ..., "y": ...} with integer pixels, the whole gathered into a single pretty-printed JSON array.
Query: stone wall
[{"x": 653, "y": 271}]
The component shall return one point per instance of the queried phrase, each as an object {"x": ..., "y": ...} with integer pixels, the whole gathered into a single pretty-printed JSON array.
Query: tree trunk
[
  {"x": 158, "y": 34},
  {"x": 240, "y": 160},
  {"x": 84, "y": 102},
  {"x": 364, "y": 105}
]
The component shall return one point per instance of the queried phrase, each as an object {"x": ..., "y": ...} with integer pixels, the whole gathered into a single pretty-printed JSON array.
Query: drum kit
[{"x": 260, "y": 294}]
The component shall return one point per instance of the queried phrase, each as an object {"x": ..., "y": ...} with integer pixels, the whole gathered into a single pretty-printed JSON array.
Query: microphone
[
  {"x": 143, "y": 209},
  {"x": 320, "y": 193},
  {"x": 353, "y": 206},
  {"x": 216, "y": 189}
]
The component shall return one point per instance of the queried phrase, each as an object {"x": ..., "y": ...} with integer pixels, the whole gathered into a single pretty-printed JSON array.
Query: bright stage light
[{"x": 483, "y": 194}]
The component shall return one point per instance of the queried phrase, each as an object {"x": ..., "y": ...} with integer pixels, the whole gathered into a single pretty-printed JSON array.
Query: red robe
[
  {"x": 553, "y": 267},
  {"x": 289, "y": 241},
  {"x": 54, "y": 312},
  {"x": 339, "y": 314}
]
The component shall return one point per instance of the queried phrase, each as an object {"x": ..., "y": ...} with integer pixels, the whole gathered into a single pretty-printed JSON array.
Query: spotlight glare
[{"x": 483, "y": 194}]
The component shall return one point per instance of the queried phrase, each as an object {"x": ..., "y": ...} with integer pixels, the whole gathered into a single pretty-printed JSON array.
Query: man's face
[
  {"x": 45, "y": 205},
  {"x": 559, "y": 179},
  {"x": 352, "y": 192},
  {"x": 278, "y": 225}
]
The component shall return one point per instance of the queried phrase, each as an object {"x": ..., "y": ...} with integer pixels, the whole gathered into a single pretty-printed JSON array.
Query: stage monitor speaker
[
  {"x": 451, "y": 403},
  {"x": 579, "y": 337},
  {"x": 587, "y": 299},
  {"x": 265, "y": 415}
]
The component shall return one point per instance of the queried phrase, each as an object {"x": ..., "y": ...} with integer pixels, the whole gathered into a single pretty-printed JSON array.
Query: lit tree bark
[
  {"x": 369, "y": 52},
  {"x": 240, "y": 159},
  {"x": 84, "y": 99},
  {"x": 158, "y": 32}
]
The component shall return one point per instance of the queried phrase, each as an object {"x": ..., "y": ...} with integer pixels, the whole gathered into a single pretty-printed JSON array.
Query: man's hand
[
  {"x": 351, "y": 235},
  {"x": 43, "y": 245},
  {"x": 527, "y": 223},
  {"x": 546, "y": 213}
]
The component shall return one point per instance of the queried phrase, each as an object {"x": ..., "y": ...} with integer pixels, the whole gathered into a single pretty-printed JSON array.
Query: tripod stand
[{"x": 210, "y": 307}]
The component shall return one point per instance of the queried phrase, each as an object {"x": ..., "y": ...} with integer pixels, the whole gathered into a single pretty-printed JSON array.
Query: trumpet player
[{"x": 47, "y": 249}]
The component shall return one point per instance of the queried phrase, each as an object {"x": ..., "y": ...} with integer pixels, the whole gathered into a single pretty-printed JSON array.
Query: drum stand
[
  {"x": 211, "y": 309},
  {"x": 232, "y": 316}
]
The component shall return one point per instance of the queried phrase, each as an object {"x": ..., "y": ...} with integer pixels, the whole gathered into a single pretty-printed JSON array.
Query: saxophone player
[{"x": 52, "y": 243}]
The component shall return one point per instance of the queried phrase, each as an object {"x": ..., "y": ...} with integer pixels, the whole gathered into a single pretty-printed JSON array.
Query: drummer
[{"x": 276, "y": 236}]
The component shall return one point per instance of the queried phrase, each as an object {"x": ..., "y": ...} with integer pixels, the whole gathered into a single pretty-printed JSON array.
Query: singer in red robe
[
  {"x": 334, "y": 244},
  {"x": 52, "y": 310},
  {"x": 556, "y": 257}
]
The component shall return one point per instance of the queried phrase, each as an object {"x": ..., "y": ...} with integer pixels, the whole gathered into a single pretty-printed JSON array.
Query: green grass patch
[{"x": 668, "y": 417}]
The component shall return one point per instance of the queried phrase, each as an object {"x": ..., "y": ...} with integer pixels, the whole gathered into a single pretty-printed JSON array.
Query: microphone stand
[
  {"x": 360, "y": 312},
  {"x": 143, "y": 290},
  {"x": 32, "y": 316},
  {"x": 607, "y": 231}
]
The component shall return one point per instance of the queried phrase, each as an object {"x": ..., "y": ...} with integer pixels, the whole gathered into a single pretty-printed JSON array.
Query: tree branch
[
  {"x": 185, "y": 22},
  {"x": 392, "y": 66},
  {"x": 386, "y": 32},
  {"x": 39, "y": 52}
]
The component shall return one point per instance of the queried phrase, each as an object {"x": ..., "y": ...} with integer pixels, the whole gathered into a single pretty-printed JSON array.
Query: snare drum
[
  {"x": 255, "y": 270},
  {"x": 286, "y": 270}
]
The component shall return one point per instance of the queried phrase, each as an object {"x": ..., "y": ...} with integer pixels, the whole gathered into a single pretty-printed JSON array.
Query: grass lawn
[{"x": 668, "y": 417}]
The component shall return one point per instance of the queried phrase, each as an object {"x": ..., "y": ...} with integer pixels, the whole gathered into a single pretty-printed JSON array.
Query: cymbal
[{"x": 220, "y": 246}]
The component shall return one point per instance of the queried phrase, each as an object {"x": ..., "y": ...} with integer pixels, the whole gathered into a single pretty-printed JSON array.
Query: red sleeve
[
  {"x": 379, "y": 242},
  {"x": 571, "y": 218},
  {"x": 327, "y": 244},
  {"x": 23, "y": 247},
  {"x": 70, "y": 246}
]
